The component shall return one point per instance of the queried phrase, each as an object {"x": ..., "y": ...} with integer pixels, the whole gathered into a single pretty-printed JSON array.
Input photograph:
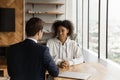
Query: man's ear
[{"x": 39, "y": 32}]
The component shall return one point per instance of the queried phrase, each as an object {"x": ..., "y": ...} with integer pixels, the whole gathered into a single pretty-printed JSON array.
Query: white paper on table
[{"x": 74, "y": 75}]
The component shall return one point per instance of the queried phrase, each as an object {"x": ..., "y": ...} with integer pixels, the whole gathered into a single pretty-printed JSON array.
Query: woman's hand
[{"x": 64, "y": 64}]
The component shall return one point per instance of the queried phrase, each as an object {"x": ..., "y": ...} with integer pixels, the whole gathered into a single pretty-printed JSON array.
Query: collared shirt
[
  {"x": 32, "y": 39},
  {"x": 68, "y": 51}
]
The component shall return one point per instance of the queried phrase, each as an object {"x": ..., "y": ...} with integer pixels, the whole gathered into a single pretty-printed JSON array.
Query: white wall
[{"x": 71, "y": 11}]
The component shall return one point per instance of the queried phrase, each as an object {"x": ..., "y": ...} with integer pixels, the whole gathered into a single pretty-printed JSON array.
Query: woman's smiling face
[{"x": 62, "y": 32}]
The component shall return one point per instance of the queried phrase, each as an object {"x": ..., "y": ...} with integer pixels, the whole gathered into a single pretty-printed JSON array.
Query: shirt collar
[
  {"x": 57, "y": 40},
  {"x": 32, "y": 39}
]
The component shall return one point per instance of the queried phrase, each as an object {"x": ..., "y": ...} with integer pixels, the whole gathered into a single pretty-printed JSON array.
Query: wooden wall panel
[{"x": 8, "y": 38}]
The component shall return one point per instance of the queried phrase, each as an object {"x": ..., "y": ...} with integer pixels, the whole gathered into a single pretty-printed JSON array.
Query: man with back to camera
[{"x": 28, "y": 60}]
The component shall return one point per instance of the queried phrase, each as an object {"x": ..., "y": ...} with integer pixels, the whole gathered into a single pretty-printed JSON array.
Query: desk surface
[{"x": 97, "y": 71}]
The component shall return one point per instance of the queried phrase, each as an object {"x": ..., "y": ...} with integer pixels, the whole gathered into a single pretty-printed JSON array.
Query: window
[
  {"x": 99, "y": 19},
  {"x": 114, "y": 30},
  {"x": 93, "y": 25},
  {"x": 79, "y": 21}
]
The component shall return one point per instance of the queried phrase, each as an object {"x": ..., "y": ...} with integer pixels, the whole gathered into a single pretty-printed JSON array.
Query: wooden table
[{"x": 97, "y": 71}]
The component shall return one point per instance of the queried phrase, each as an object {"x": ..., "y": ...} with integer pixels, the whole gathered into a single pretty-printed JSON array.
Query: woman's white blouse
[{"x": 68, "y": 51}]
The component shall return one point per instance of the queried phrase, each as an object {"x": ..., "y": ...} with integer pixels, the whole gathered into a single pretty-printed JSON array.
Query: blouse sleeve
[
  {"x": 49, "y": 45},
  {"x": 77, "y": 56},
  {"x": 55, "y": 57}
]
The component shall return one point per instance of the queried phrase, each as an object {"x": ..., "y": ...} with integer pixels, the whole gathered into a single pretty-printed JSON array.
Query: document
[
  {"x": 74, "y": 75},
  {"x": 4, "y": 78}
]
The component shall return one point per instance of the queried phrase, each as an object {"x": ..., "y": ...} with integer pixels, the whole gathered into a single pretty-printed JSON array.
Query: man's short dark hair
[{"x": 33, "y": 26}]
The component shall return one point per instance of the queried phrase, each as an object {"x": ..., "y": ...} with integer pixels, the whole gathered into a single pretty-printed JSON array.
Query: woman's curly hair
[{"x": 65, "y": 23}]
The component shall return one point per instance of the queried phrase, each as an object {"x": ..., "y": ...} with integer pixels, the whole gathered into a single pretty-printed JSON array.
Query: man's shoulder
[
  {"x": 42, "y": 46},
  {"x": 15, "y": 44}
]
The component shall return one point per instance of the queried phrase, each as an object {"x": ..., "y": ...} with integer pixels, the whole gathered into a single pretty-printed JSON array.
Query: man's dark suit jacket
[{"x": 28, "y": 60}]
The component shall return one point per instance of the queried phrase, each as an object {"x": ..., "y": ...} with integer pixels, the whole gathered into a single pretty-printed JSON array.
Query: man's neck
[{"x": 33, "y": 38}]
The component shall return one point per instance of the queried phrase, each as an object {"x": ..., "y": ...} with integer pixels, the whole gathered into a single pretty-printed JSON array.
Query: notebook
[{"x": 74, "y": 75}]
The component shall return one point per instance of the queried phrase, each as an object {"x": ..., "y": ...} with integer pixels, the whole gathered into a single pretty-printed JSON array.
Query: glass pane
[
  {"x": 103, "y": 17},
  {"x": 79, "y": 21},
  {"x": 93, "y": 25},
  {"x": 114, "y": 30}
]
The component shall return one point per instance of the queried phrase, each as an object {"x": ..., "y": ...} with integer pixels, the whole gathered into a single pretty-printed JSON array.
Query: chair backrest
[{"x": 74, "y": 37}]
